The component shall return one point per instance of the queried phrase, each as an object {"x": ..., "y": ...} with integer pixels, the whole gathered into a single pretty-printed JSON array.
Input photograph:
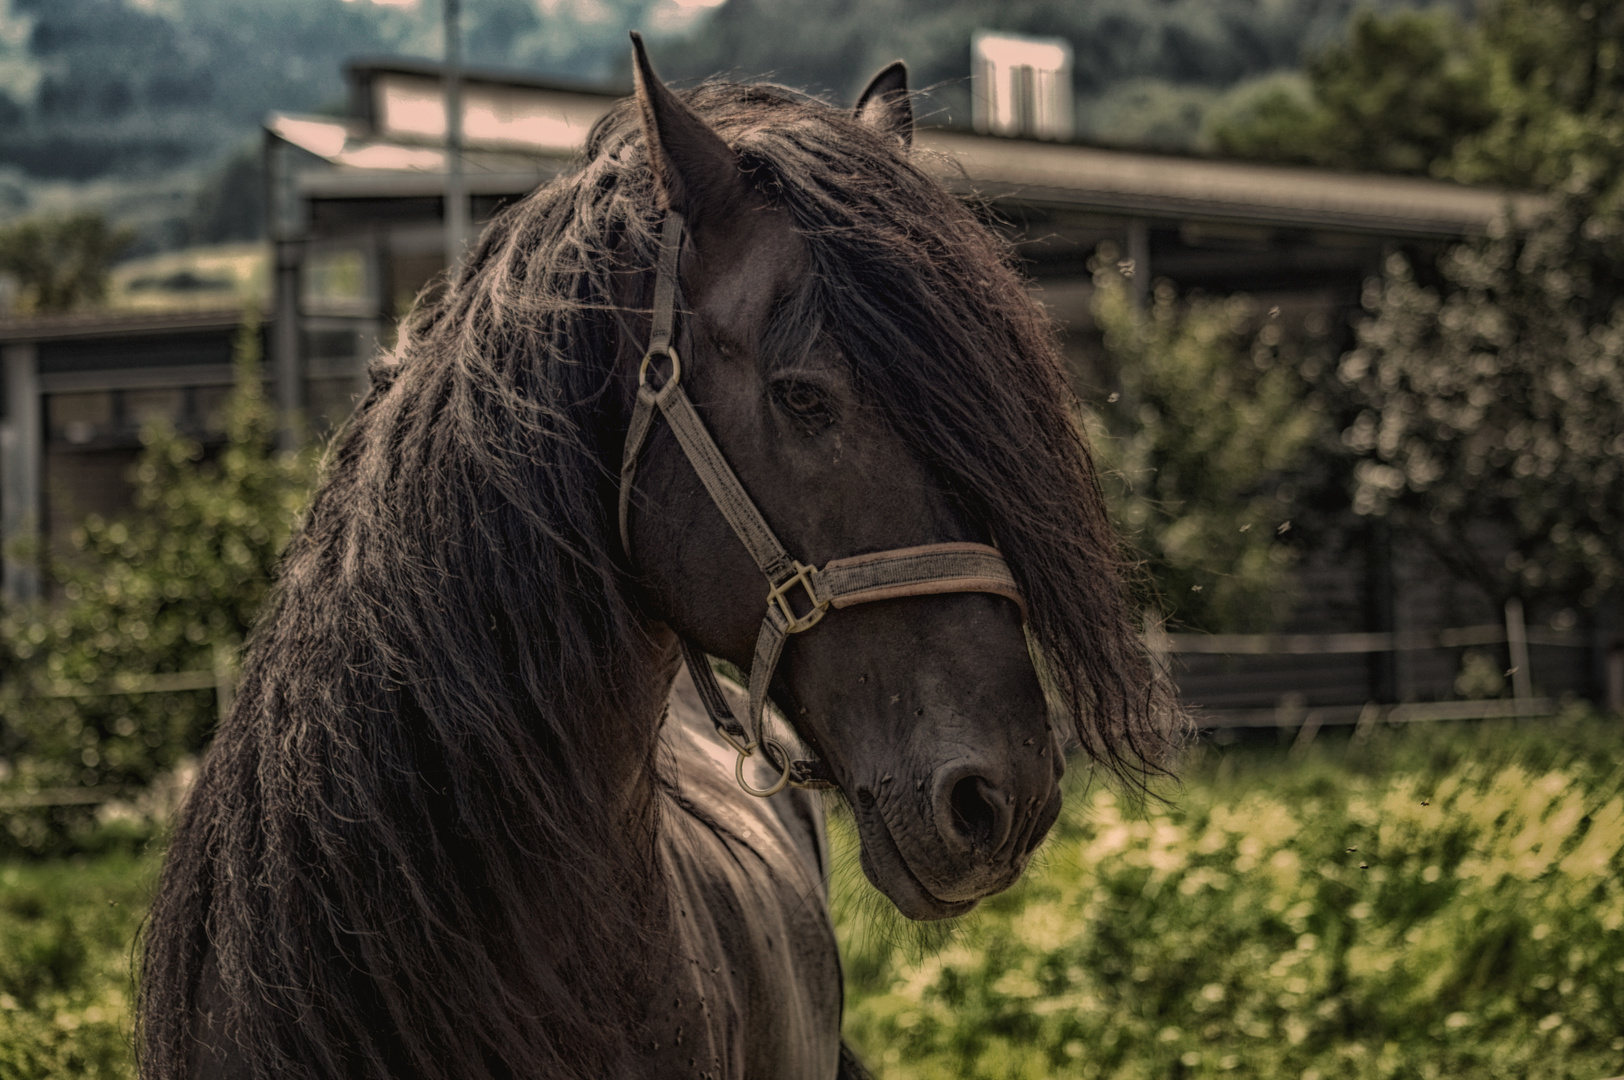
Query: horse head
[{"x": 873, "y": 373}]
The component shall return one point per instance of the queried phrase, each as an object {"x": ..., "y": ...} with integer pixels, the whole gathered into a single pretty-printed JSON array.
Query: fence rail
[
  {"x": 1421, "y": 712},
  {"x": 1381, "y": 641},
  {"x": 222, "y": 679},
  {"x": 1512, "y": 633}
]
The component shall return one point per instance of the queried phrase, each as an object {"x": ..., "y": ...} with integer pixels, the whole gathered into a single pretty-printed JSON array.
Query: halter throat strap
[{"x": 798, "y": 595}]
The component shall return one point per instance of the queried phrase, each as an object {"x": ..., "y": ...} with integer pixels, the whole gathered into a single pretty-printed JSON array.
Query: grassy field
[{"x": 1432, "y": 904}]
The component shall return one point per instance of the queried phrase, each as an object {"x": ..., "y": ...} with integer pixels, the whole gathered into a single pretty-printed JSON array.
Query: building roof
[
  {"x": 1165, "y": 185},
  {"x": 520, "y": 131},
  {"x": 90, "y": 324}
]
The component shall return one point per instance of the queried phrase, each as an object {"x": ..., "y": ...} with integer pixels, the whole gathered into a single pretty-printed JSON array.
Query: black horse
[{"x": 468, "y": 817}]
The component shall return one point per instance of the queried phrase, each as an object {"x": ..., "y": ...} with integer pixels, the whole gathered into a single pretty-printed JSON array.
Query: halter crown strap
[{"x": 798, "y": 595}]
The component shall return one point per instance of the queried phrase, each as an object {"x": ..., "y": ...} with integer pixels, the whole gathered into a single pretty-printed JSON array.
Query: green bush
[
  {"x": 1199, "y": 450},
  {"x": 1453, "y": 908},
  {"x": 66, "y": 929},
  {"x": 173, "y": 588}
]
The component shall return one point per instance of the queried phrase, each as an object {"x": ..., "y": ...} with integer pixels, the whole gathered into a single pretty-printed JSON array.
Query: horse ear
[
  {"x": 885, "y": 105},
  {"x": 696, "y": 173}
]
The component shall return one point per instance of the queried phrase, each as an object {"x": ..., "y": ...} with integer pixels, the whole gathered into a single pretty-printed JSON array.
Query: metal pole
[
  {"x": 285, "y": 342},
  {"x": 456, "y": 188}
]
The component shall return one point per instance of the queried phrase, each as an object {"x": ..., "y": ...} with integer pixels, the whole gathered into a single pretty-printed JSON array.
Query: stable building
[{"x": 357, "y": 223}]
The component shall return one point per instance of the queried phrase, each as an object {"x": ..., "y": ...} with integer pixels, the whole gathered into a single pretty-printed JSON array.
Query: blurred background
[{"x": 1338, "y": 285}]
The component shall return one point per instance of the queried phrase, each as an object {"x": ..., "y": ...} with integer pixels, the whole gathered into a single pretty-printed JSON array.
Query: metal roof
[{"x": 1066, "y": 176}]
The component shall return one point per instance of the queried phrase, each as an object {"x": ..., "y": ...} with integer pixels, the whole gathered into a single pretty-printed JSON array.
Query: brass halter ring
[
  {"x": 770, "y": 748},
  {"x": 648, "y": 360}
]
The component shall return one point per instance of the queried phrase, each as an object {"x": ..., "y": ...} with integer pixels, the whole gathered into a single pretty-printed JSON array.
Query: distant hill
[
  {"x": 134, "y": 87},
  {"x": 1146, "y": 70},
  {"x": 150, "y": 109}
]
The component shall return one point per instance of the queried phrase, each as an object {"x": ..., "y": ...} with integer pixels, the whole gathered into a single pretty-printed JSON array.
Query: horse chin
[{"x": 887, "y": 870}]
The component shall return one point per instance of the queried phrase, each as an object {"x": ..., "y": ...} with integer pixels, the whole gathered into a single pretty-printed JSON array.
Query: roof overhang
[
  {"x": 371, "y": 157},
  {"x": 117, "y": 324},
  {"x": 1091, "y": 179}
]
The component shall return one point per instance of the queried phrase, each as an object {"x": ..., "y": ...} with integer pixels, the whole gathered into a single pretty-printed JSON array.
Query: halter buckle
[
  {"x": 648, "y": 361},
  {"x": 806, "y": 577}
]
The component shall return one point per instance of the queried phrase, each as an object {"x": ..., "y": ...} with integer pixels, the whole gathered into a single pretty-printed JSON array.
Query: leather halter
[{"x": 859, "y": 579}]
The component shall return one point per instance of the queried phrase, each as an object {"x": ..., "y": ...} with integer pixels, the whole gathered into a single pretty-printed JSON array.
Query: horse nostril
[{"x": 975, "y": 818}]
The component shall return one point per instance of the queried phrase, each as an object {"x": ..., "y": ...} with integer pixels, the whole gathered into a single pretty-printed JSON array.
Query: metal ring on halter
[
  {"x": 648, "y": 358},
  {"x": 770, "y": 748}
]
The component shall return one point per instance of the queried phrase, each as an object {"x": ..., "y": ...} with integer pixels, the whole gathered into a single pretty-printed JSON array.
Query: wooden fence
[
  {"x": 1514, "y": 633},
  {"x": 221, "y": 679},
  {"x": 1289, "y": 714}
]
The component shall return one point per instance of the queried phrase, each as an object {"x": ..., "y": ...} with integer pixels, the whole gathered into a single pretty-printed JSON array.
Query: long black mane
[{"x": 423, "y": 843}]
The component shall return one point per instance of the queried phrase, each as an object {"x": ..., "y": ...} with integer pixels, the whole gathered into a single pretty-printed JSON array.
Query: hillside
[{"x": 149, "y": 109}]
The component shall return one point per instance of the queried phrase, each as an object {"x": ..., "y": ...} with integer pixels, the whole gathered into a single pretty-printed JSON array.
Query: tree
[
  {"x": 61, "y": 263},
  {"x": 1530, "y": 96},
  {"x": 1396, "y": 96},
  {"x": 163, "y": 591},
  {"x": 1489, "y": 413},
  {"x": 1198, "y": 447}
]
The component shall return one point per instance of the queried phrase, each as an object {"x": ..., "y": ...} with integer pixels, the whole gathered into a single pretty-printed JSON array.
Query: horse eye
[{"x": 803, "y": 401}]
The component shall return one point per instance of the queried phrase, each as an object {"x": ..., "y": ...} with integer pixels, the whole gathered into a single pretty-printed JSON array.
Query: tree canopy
[
  {"x": 1528, "y": 96},
  {"x": 60, "y": 263},
  {"x": 1489, "y": 410}
]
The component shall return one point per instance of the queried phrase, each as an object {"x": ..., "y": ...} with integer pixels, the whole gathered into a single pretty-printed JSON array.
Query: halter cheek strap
[{"x": 798, "y": 595}]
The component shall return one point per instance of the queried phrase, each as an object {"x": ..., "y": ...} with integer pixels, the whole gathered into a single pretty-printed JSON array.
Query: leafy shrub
[
  {"x": 1454, "y": 909},
  {"x": 1199, "y": 449},
  {"x": 1233, "y": 933},
  {"x": 173, "y": 588},
  {"x": 65, "y": 987}
]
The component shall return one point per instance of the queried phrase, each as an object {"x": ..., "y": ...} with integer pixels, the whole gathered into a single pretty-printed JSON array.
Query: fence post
[
  {"x": 225, "y": 681},
  {"x": 1157, "y": 643},
  {"x": 1517, "y": 646},
  {"x": 1615, "y": 675}
]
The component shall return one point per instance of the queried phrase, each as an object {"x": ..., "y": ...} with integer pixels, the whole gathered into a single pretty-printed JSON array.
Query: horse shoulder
[{"x": 756, "y": 985}]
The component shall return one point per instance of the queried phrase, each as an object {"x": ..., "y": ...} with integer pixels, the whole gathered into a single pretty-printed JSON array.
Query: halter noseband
[{"x": 859, "y": 579}]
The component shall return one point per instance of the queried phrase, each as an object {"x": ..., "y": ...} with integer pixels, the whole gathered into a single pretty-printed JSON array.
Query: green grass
[
  {"x": 66, "y": 928},
  {"x": 1229, "y": 933},
  {"x": 1448, "y": 904}
]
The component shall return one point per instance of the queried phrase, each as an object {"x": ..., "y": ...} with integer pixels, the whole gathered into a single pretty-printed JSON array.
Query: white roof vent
[{"x": 1021, "y": 85}]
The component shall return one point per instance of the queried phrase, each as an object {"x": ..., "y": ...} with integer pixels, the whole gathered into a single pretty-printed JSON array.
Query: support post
[
  {"x": 225, "y": 682},
  {"x": 1517, "y": 647},
  {"x": 1381, "y": 615},
  {"x": 22, "y": 445},
  {"x": 1139, "y": 256},
  {"x": 285, "y": 343},
  {"x": 1615, "y": 677},
  {"x": 286, "y": 221},
  {"x": 456, "y": 187}
]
